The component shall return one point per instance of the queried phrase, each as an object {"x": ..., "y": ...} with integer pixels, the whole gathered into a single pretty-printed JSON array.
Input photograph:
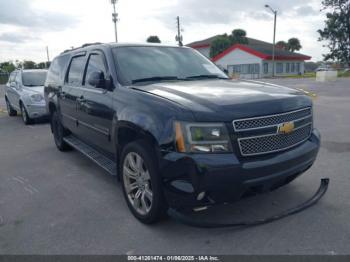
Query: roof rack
[{"x": 84, "y": 45}]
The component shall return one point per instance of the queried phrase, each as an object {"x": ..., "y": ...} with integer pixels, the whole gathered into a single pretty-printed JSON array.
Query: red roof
[
  {"x": 258, "y": 54},
  {"x": 255, "y": 47}
]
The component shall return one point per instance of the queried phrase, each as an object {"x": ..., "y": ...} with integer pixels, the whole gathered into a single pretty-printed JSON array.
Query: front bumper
[
  {"x": 226, "y": 177},
  {"x": 37, "y": 110}
]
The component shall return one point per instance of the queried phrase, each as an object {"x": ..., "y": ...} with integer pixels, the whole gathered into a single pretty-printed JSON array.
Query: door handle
[{"x": 81, "y": 100}]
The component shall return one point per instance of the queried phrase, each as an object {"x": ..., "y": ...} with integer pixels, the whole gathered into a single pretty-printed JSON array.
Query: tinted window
[
  {"x": 57, "y": 67},
  {"x": 96, "y": 64},
  {"x": 144, "y": 62},
  {"x": 33, "y": 78},
  {"x": 76, "y": 70}
]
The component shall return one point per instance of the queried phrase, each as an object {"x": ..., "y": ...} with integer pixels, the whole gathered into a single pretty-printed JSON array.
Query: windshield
[
  {"x": 152, "y": 63},
  {"x": 34, "y": 78}
]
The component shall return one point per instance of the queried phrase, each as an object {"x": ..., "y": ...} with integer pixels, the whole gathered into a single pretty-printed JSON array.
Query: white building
[{"x": 254, "y": 59}]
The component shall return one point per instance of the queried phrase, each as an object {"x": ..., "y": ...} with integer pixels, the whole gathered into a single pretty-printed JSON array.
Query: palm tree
[
  {"x": 282, "y": 44},
  {"x": 238, "y": 36},
  {"x": 153, "y": 39},
  {"x": 294, "y": 44}
]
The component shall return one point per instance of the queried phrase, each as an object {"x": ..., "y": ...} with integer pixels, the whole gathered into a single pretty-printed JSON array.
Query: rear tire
[
  {"x": 59, "y": 132},
  {"x": 25, "y": 117},
  {"x": 141, "y": 182},
  {"x": 10, "y": 110}
]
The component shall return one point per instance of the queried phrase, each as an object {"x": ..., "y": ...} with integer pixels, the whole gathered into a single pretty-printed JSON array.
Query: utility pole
[
  {"x": 274, "y": 38},
  {"x": 115, "y": 19},
  {"x": 48, "y": 57},
  {"x": 178, "y": 37}
]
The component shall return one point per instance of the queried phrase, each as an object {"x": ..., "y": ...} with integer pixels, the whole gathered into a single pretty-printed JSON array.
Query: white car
[{"x": 25, "y": 93}]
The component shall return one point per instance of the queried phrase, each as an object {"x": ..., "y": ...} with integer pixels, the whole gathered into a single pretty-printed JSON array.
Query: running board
[
  {"x": 104, "y": 162},
  {"x": 187, "y": 220}
]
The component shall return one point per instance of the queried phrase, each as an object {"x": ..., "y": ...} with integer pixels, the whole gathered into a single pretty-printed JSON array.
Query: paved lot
[{"x": 61, "y": 203}]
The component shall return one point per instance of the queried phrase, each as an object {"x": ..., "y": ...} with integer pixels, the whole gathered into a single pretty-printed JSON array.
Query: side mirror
[
  {"x": 97, "y": 79},
  {"x": 13, "y": 84}
]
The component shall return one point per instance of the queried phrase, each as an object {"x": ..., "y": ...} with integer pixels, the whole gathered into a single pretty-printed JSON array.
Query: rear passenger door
[
  {"x": 72, "y": 91},
  {"x": 96, "y": 106}
]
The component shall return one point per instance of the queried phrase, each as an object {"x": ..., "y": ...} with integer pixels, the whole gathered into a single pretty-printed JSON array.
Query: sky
[{"x": 28, "y": 26}]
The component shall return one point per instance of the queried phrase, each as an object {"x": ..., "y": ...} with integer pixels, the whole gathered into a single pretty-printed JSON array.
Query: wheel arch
[{"x": 127, "y": 132}]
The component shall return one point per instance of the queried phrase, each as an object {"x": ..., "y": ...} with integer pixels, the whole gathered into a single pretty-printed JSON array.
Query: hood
[{"x": 226, "y": 100}]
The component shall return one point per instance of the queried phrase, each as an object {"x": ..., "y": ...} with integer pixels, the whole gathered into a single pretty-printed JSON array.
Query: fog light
[{"x": 200, "y": 196}]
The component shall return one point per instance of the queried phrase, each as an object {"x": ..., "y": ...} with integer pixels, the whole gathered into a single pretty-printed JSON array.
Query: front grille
[
  {"x": 273, "y": 143},
  {"x": 265, "y": 121},
  {"x": 267, "y": 142}
]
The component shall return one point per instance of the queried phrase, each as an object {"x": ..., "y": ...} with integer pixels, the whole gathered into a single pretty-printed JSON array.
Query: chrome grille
[
  {"x": 273, "y": 143},
  {"x": 267, "y": 142},
  {"x": 265, "y": 121}
]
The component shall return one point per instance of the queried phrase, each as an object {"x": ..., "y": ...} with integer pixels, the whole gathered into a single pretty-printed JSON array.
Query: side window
[
  {"x": 279, "y": 68},
  {"x": 18, "y": 78},
  {"x": 76, "y": 70},
  {"x": 12, "y": 77},
  {"x": 266, "y": 68},
  {"x": 96, "y": 64},
  {"x": 292, "y": 67}
]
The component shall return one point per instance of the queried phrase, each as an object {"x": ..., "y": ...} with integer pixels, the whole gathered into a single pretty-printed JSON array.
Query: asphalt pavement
[{"x": 62, "y": 203}]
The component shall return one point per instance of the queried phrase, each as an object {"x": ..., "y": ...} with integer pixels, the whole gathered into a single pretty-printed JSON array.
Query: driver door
[{"x": 95, "y": 108}]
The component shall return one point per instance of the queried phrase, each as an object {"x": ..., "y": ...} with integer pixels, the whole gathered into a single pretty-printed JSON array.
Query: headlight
[
  {"x": 37, "y": 97},
  {"x": 202, "y": 137}
]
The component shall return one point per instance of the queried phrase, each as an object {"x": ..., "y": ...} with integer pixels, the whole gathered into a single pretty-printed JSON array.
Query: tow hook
[{"x": 183, "y": 218}]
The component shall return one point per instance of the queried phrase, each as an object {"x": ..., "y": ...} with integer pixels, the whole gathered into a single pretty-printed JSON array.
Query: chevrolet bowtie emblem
[{"x": 286, "y": 128}]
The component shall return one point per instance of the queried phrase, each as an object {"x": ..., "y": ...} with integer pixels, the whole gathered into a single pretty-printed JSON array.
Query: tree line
[{"x": 9, "y": 66}]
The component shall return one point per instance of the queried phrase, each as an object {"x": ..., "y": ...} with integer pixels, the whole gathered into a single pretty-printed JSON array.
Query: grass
[{"x": 344, "y": 74}]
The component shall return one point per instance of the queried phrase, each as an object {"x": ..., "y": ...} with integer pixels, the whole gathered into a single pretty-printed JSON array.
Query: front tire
[
  {"x": 25, "y": 117},
  {"x": 10, "y": 110},
  {"x": 59, "y": 132},
  {"x": 141, "y": 182}
]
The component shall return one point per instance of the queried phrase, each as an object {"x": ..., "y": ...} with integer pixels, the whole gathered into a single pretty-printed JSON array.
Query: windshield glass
[
  {"x": 162, "y": 63},
  {"x": 34, "y": 78}
]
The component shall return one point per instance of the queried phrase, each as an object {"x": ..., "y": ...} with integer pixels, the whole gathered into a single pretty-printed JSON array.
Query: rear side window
[
  {"x": 76, "y": 70},
  {"x": 56, "y": 71},
  {"x": 12, "y": 77}
]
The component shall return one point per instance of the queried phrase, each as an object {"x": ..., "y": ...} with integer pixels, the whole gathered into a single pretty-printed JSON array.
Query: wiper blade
[
  {"x": 155, "y": 78},
  {"x": 206, "y": 76}
]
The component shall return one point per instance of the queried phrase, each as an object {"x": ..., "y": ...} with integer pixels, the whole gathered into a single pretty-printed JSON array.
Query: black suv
[{"x": 174, "y": 128}]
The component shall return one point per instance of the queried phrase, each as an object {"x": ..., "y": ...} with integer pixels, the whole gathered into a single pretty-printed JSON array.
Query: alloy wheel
[{"x": 137, "y": 183}]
